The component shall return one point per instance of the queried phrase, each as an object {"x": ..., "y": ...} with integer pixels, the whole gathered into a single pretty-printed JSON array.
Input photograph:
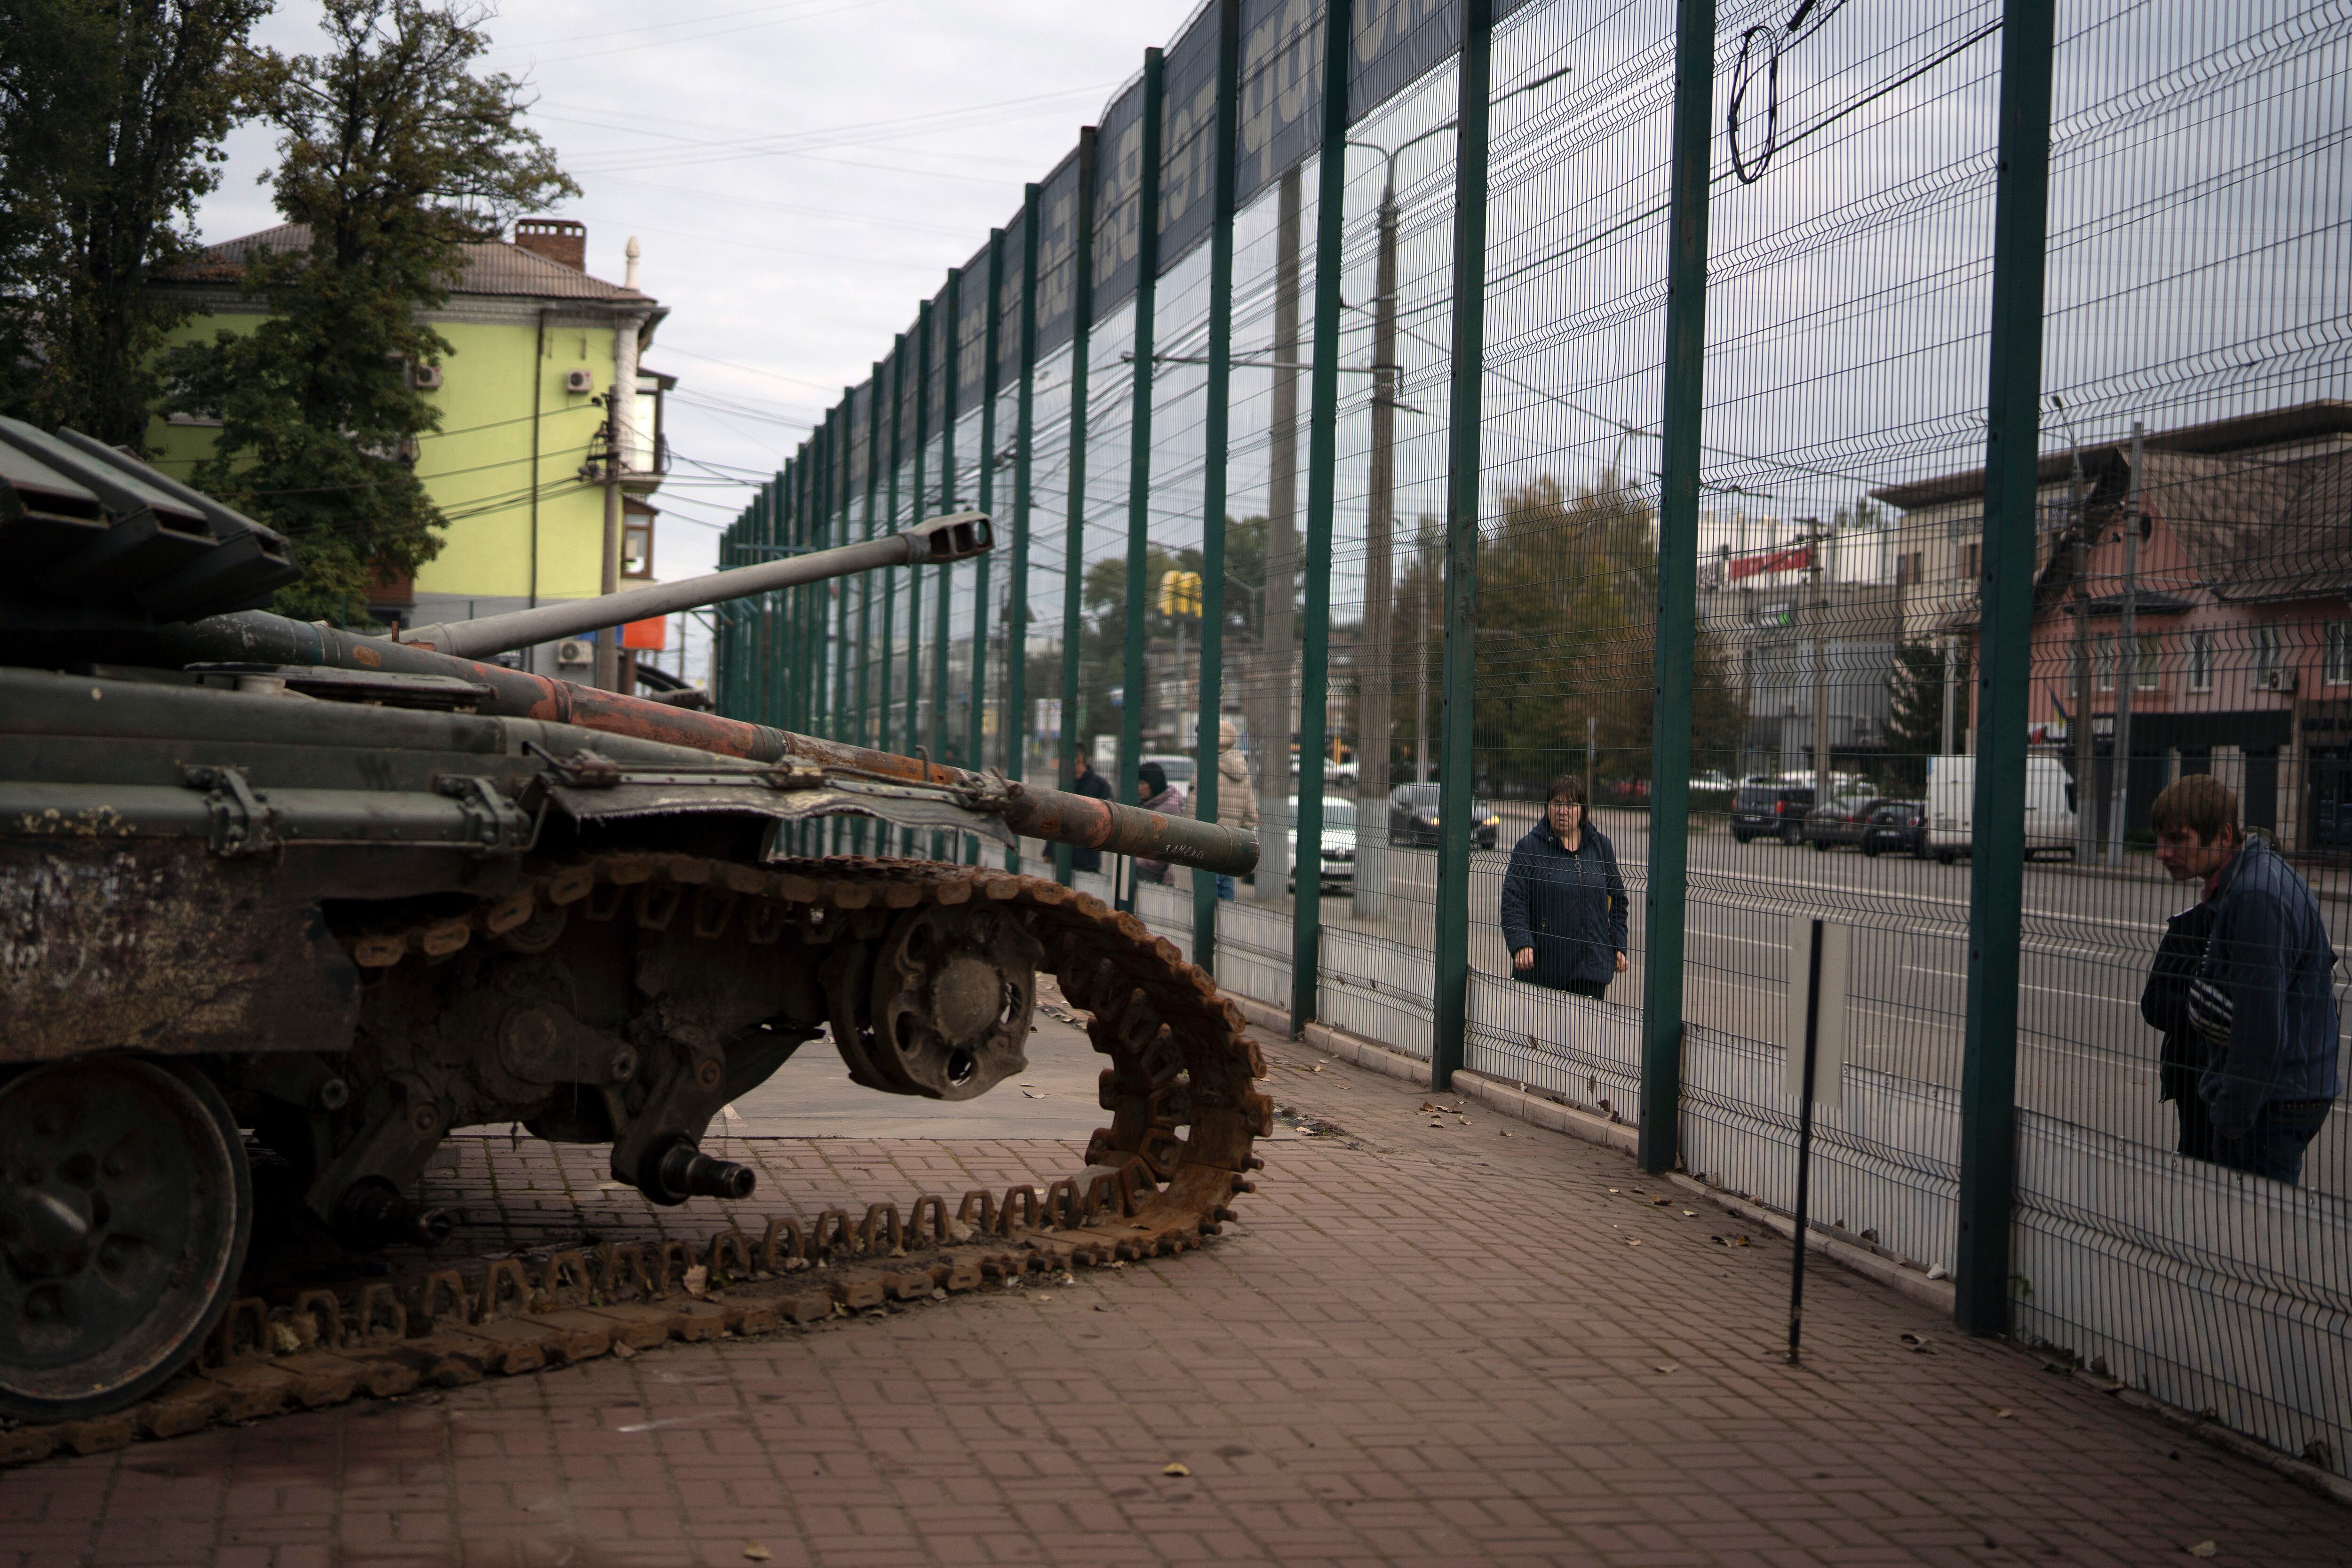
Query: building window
[
  {"x": 2201, "y": 661},
  {"x": 2266, "y": 657},
  {"x": 638, "y": 542},
  {"x": 2148, "y": 676},
  {"x": 1971, "y": 561},
  {"x": 2339, "y": 666},
  {"x": 2103, "y": 661}
]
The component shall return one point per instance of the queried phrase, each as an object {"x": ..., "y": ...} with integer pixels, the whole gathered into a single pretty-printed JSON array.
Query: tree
[
  {"x": 1567, "y": 634},
  {"x": 1914, "y": 725},
  {"x": 394, "y": 156},
  {"x": 110, "y": 121}
]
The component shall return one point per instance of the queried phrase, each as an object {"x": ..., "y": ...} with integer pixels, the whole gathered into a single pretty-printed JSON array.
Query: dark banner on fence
[
  {"x": 1118, "y": 200},
  {"x": 1057, "y": 236},
  {"x": 1281, "y": 91},
  {"x": 861, "y": 456},
  {"x": 1188, "y": 122},
  {"x": 972, "y": 331}
]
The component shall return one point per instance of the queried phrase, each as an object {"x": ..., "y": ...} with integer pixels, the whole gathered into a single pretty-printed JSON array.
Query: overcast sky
[{"x": 798, "y": 173}]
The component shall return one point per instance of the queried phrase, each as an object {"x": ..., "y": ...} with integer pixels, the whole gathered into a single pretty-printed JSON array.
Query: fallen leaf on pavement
[
  {"x": 2202, "y": 1548},
  {"x": 756, "y": 1552},
  {"x": 1999, "y": 1414},
  {"x": 1175, "y": 1467}
]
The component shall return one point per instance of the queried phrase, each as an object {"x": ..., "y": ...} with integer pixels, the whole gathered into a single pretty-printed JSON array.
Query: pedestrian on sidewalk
[
  {"x": 1236, "y": 801},
  {"x": 2259, "y": 1002},
  {"x": 1563, "y": 913},
  {"x": 1094, "y": 786},
  {"x": 1154, "y": 793}
]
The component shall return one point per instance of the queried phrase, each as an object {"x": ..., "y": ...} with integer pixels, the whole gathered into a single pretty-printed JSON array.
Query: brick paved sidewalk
[{"x": 1425, "y": 1345}]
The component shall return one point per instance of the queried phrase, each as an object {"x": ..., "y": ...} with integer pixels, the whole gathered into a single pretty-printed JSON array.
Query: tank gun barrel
[{"x": 958, "y": 536}]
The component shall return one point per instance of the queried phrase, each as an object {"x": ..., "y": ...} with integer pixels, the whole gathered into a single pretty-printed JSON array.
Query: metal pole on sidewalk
[
  {"x": 1135, "y": 680},
  {"x": 1074, "y": 548},
  {"x": 1997, "y": 858},
  {"x": 1805, "y": 1138},
  {"x": 1450, "y": 1013},
  {"x": 1216, "y": 418},
  {"x": 1678, "y": 495},
  {"x": 1322, "y": 485}
]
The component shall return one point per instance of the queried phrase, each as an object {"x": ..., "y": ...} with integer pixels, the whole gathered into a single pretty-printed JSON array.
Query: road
[{"x": 2085, "y": 1056}]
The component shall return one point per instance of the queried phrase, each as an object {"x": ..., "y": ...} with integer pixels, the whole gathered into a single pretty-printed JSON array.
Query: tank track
[{"x": 1157, "y": 1181}]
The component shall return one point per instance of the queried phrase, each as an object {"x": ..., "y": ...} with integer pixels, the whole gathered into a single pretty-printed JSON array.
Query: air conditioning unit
[
  {"x": 2275, "y": 679},
  {"x": 579, "y": 382},
  {"x": 426, "y": 377},
  {"x": 575, "y": 651}
]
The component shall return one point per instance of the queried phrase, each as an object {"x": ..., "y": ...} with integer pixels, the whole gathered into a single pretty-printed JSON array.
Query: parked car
[
  {"x": 1771, "y": 809},
  {"x": 1899, "y": 827},
  {"x": 1413, "y": 818},
  {"x": 1181, "y": 770},
  {"x": 1842, "y": 821},
  {"x": 1709, "y": 782},
  {"x": 1339, "y": 842}
]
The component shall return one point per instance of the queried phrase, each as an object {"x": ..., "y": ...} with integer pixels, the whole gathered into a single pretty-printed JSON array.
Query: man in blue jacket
[
  {"x": 2261, "y": 1000},
  {"x": 1563, "y": 912}
]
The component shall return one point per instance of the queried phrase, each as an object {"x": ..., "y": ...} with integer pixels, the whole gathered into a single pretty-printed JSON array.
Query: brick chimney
[{"x": 557, "y": 238}]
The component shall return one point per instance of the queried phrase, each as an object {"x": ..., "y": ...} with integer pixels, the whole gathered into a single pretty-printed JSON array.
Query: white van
[{"x": 1951, "y": 804}]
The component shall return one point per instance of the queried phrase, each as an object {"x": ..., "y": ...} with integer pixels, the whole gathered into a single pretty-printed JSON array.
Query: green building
[{"x": 516, "y": 465}]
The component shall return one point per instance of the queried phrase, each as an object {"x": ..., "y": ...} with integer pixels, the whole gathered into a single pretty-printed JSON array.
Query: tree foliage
[
  {"x": 110, "y": 121},
  {"x": 1914, "y": 724},
  {"x": 1566, "y": 626},
  {"x": 393, "y": 156}
]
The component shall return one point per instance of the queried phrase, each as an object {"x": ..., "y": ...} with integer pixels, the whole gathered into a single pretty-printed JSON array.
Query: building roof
[
  {"x": 2273, "y": 428},
  {"x": 492, "y": 267},
  {"x": 2257, "y": 528}
]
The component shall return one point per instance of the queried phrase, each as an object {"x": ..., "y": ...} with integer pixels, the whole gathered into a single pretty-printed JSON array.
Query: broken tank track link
[{"x": 310, "y": 1347}]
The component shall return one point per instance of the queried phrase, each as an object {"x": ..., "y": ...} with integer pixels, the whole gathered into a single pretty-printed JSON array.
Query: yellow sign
[{"x": 1179, "y": 594}]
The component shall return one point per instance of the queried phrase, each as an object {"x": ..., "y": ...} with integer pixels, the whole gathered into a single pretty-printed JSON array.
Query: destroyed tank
[{"x": 281, "y": 899}]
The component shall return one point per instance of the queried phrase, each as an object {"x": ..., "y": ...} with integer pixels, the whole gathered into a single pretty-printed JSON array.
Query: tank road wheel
[
  {"x": 125, "y": 1206},
  {"x": 954, "y": 988}
]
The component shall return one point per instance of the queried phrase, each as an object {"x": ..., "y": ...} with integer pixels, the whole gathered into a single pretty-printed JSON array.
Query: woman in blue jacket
[{"x": 1563, "y": 912}]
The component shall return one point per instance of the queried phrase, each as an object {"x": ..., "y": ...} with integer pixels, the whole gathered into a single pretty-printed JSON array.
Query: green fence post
[
  {"x": 1016, "y": 630},
  {"x": 950, "y": 379},
  {"x": 1997, "y": 854},
  {"x": 975, "y": 749},
  {"x": 911, "y": 842},
  {"x": 1074, "y": 553},
  {"x": 1670, "y": 740},
  {"x": 1450, "y": 1010},
  {"x": 1134, "y": 680},
  {"x": 1322, "y": 487},
  {"x": 882, "y": 696},
  {"x": 1215, "y": 424},
  {"x": 837, "y": 591}
]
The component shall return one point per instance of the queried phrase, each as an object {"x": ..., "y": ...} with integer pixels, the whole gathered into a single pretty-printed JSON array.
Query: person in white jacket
[{"x": 1236, "y": 801}]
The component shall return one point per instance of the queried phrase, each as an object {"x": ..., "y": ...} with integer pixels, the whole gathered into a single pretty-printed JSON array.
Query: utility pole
[
  {"x": 1270, "y": 724},
  {"x": 2126, "y": 656},
  {"x": 620, "y": 419},
  {"x": 1375, "y": 663},
  {"x": 1820, "y": 542}
]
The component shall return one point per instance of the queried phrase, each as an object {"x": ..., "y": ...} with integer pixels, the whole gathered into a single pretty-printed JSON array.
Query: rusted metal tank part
[{"x": 352, "y": 893}]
